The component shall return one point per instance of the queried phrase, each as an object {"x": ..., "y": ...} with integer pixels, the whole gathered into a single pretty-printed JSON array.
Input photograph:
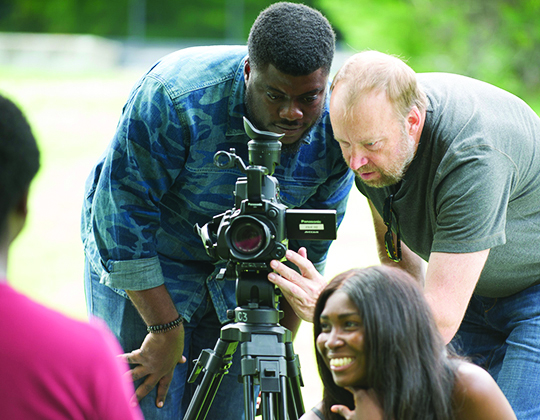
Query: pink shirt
[{"x": 54, "y": 367}]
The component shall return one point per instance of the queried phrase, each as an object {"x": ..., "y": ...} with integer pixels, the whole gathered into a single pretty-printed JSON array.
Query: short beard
[{"x": 394, "y": 175}]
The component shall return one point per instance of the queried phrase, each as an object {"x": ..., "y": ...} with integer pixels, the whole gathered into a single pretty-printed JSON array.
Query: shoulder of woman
[
  {"x": 477, "y": 396},
  {"x": 472, "y": 379}
]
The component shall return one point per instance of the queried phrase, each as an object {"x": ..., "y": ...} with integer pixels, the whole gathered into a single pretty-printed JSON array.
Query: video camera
[{"x": 255, "y": 231}]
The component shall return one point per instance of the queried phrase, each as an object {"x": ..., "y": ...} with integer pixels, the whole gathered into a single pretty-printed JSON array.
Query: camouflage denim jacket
[{"x": 157, "y": 179}]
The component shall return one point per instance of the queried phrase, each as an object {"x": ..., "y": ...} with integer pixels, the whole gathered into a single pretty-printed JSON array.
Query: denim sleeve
[
  {"x": 146, "y": 155},
  {"x": 133, "y": 274}
]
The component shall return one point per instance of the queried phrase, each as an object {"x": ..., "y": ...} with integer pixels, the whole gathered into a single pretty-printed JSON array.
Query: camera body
[
  {"x": 253, "y": 231},
  {"x": 256, "y": 230}
]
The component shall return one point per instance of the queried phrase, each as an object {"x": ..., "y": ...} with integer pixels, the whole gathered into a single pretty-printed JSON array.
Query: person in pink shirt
[{"x": 53, "y": 367}]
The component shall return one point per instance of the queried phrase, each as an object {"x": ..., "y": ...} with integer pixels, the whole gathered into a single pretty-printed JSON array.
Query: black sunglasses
[{"x": 393, "y": 246}]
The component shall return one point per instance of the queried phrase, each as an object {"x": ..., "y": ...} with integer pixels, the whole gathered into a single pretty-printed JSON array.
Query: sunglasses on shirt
[{"x": 392, "y": 241}]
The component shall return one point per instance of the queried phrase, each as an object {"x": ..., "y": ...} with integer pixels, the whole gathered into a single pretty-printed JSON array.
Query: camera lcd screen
[{"x": 311, "y": 224}]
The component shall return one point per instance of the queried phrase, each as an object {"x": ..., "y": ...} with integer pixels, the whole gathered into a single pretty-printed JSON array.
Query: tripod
[{"x": 267, "y": 356}]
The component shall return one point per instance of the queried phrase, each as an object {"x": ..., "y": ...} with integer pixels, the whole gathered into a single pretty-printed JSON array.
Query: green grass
[{"x": 74, "y": 116}]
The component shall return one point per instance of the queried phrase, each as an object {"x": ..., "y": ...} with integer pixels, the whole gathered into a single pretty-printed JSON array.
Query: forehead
[
  {"x": 366, "y": 116},
  {"x": 271, "y": 78},
  {"x": 337, "y": 304}
]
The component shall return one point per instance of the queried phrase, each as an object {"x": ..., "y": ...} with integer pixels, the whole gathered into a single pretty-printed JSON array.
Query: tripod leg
[
  {"x": 274, "y": 405},
  {"x": 215, "y": 363},
  {"x": 266, "y": 406},
  {"x": 283, "y": 399},
  {"x": 201, "y": 401},
  {"x": 249, "y": 400},
  {"x": 295, "y": 402}
]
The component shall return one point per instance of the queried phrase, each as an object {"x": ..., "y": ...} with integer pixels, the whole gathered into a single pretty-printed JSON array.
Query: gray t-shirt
[{"x": 474, "y": 183}]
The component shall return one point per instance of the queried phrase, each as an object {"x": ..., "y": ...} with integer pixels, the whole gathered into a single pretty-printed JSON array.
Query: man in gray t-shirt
[
  {"x": 451, "y": 169},
  {"x": 474, "y": 183}
]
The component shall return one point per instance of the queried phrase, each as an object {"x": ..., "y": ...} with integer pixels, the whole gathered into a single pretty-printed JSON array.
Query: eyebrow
[
  {"x": 311, "y": 92},
  {"x": 363, "y": 142},
  {"x": 340, "y": 316}
]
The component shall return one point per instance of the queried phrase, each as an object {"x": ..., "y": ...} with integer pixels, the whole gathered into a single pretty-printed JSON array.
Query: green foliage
[
  {"x": 494, "y": 40},
  {"x": 201, "y": 19},
  {"x": 374, "y": 24},
  {"x": 97, "y": 17},
  {"x": 497, "y": 41},
  {"x": 204, "y": 19}
]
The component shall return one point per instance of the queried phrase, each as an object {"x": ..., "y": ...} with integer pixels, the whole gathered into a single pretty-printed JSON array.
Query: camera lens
[{"x": 247, "y": 237}]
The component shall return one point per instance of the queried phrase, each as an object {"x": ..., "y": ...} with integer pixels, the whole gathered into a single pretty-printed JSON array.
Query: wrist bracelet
[{"x": 156, "y": 329}]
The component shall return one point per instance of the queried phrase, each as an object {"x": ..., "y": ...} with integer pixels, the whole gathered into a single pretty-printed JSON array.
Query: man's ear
[
  {"x": 247, "y": 71},
  {"x": 17, "y": 217},
  {"x": 415, "y": 121},
  {"x": 21, "y": 208}
]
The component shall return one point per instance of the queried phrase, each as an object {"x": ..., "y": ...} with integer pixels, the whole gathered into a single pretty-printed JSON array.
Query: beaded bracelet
[{"x": 156, "y": 329}]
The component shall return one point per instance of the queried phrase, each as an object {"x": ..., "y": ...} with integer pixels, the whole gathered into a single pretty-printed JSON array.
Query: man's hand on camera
[
  {"x": 156, "y": 359},
  {"x": 300, "y": 290}
]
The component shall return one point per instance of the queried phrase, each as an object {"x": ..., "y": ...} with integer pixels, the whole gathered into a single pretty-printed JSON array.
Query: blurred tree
[
  {"x": 201, "y": 19},
  {"x": 99, "y": 17},
  {"x": 493, "y": 40},
  {"x": 137, "y": 19}
]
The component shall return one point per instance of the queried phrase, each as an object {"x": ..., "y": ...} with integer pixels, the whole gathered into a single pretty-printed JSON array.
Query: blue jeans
[
  {"x": 503, "y": 336},
  {"x": 202, "y": 332}
]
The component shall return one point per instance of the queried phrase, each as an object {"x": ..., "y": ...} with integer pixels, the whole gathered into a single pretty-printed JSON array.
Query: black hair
[
  {"x": 406, "y": 361},
  {"x": 19, "y": 157},
  {"x": 294, "y": 38}
]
